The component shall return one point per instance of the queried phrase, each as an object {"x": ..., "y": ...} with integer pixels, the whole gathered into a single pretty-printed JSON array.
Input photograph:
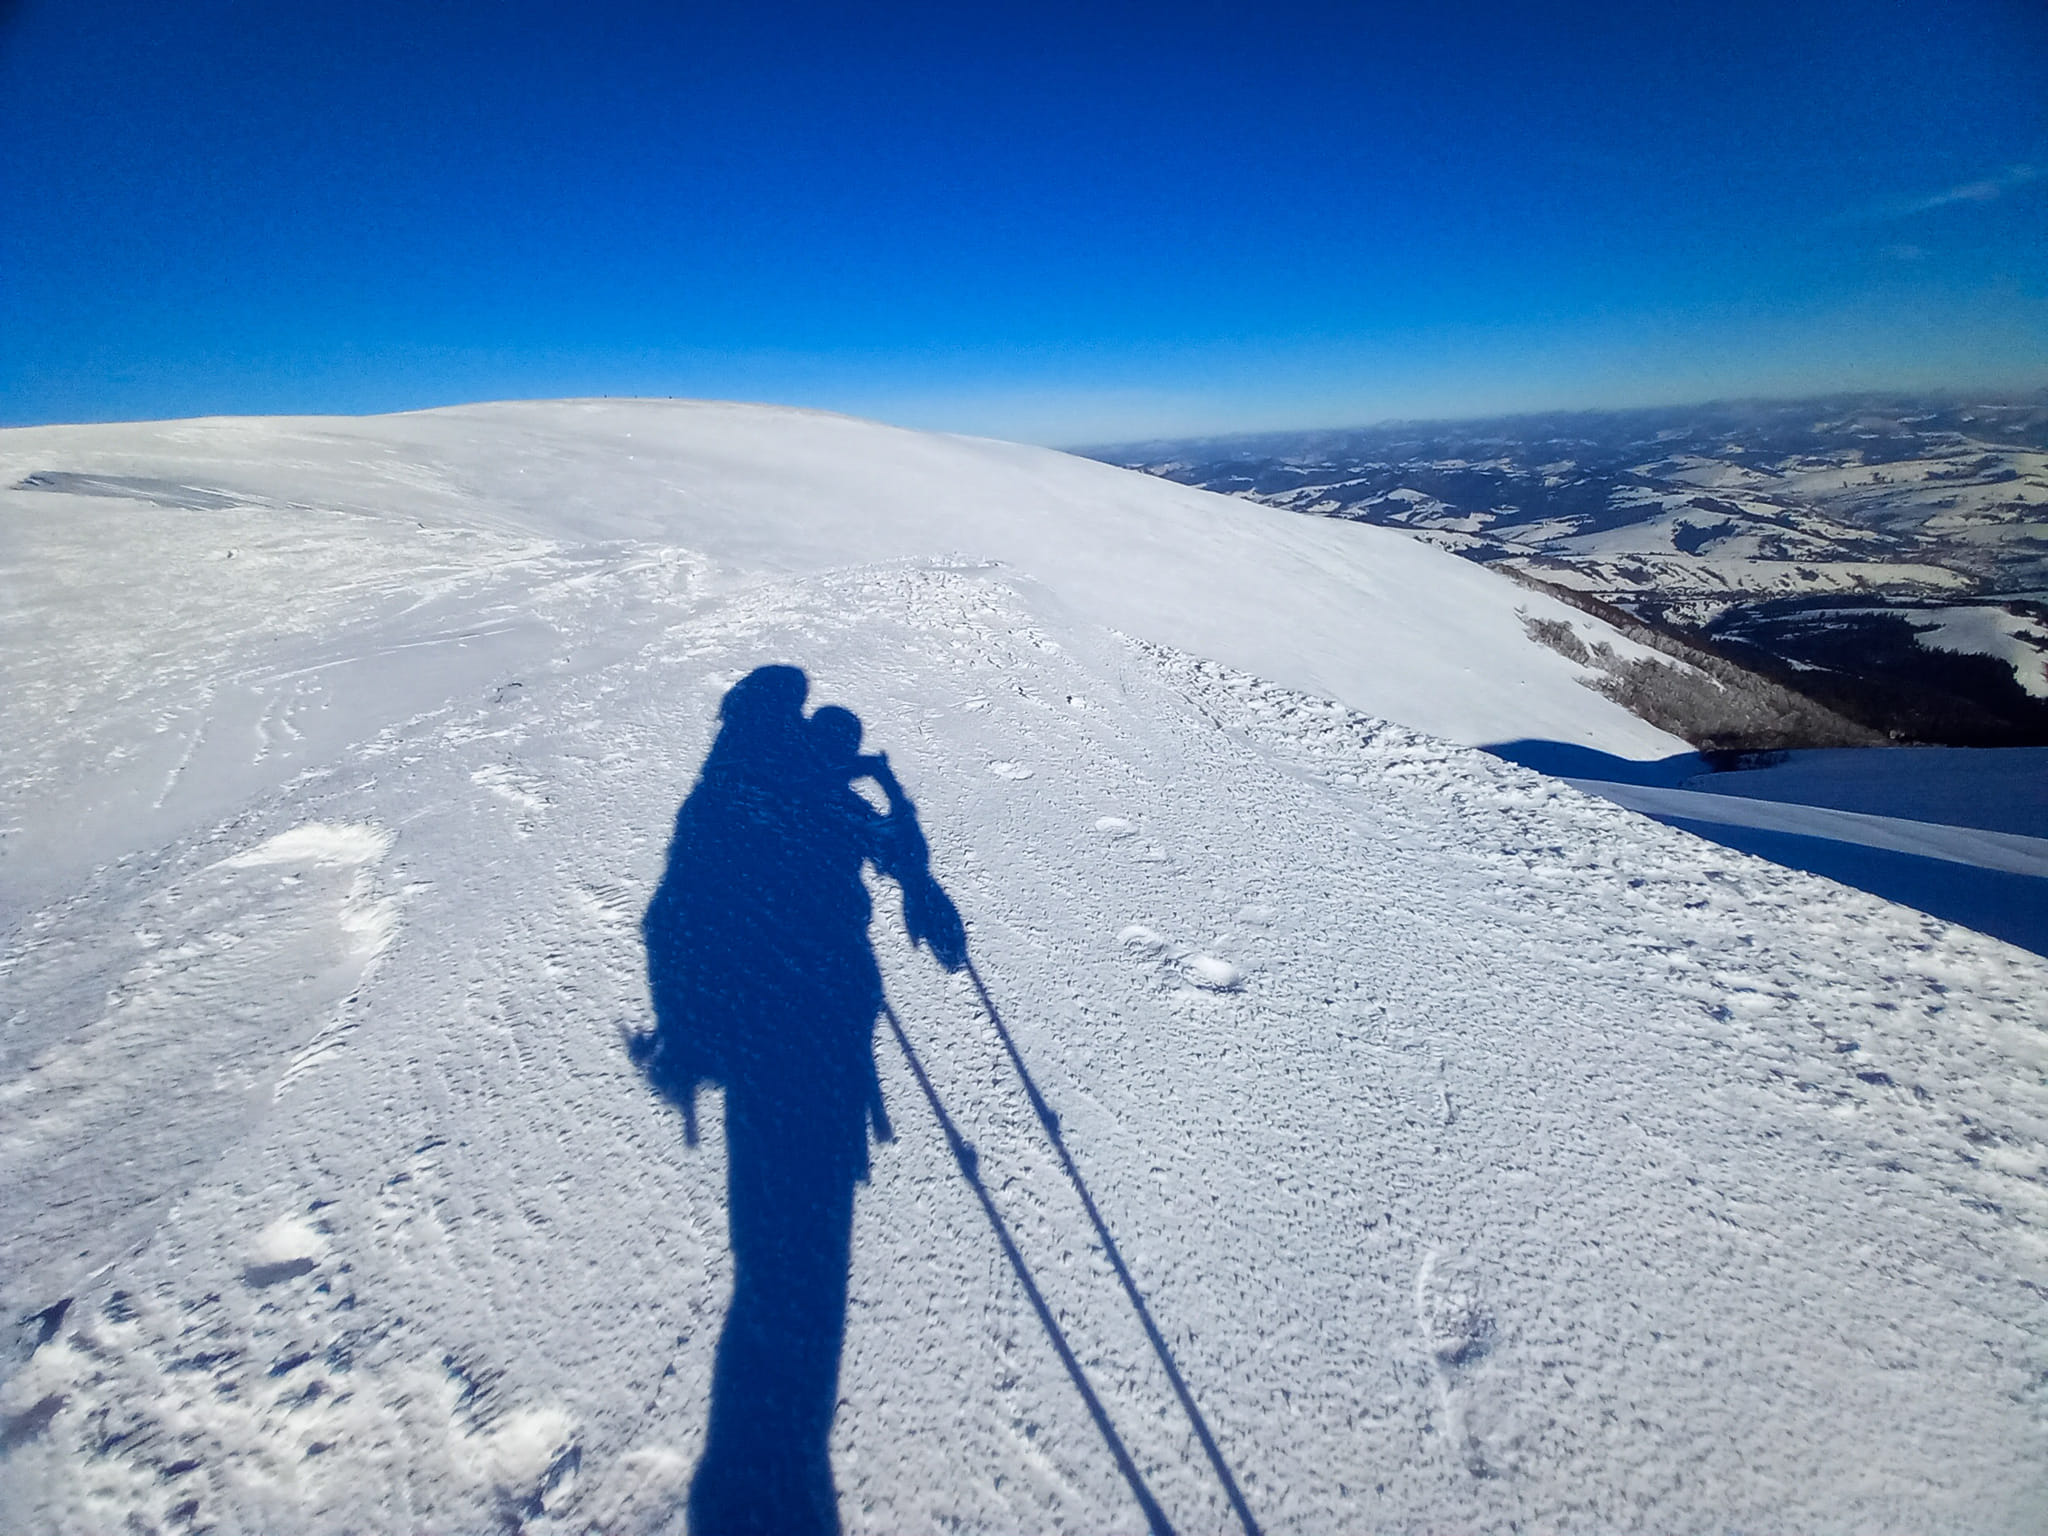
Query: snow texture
[
  {"x": 1954, "y": 831},
  {"x": 1998, "y": 790},
  {"x": 1485, "y": 1153}
]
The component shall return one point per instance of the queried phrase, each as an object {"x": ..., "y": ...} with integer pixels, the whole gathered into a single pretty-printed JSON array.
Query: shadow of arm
[{"x": 929, "y": 916}]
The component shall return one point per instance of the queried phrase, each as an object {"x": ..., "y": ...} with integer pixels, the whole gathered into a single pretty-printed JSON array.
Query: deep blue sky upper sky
[{"x": 1064, "y": 222}]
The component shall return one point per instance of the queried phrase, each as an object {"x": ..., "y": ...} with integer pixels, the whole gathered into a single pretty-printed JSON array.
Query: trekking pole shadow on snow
[
  {"x": 1051, "y": 1124},
  {"x": 970, "y": 1168}
]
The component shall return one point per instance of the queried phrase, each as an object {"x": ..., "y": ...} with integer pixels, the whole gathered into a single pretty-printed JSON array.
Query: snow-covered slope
[
  {"x": 162, "y": 666},
  {"x": 1484, "y": 1152},
  {"x": 1956, "y": 832},
  {"x": 1998, "y": 791},
  {"x": 1355, "y": 614}
]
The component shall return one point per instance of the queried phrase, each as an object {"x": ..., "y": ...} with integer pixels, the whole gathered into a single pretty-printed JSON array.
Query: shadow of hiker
[{"x": 765, "y": 984}]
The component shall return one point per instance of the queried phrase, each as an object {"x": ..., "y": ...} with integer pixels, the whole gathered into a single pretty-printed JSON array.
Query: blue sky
[{"x": 1070, "y": 223}]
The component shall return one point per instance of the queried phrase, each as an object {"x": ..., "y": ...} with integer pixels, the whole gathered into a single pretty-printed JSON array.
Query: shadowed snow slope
[{"x": 1484, "y": 1152}]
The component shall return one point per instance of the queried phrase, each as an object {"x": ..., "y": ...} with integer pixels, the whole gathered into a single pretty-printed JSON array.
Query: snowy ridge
[
  {"x": 1484, "y": 1151},
  {"x": 1371, "y": 618}
]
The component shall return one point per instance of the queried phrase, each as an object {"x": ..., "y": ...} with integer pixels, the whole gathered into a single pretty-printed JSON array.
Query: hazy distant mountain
[{"x": 1887, "y": 555}]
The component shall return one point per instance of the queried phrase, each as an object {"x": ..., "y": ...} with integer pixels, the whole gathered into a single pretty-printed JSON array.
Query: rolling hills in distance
[{"x": 1886, "y": 556}]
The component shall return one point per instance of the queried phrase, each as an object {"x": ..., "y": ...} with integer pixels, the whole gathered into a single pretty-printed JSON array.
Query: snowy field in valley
[{"x": 1487, "y": 1154}]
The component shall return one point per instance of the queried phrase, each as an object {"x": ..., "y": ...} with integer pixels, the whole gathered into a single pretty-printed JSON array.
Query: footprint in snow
[
  {"x": 1456, "y": 1333},
  {"x": 522, "y": 790},
  {"x": 1009, "y": 770},
  {"x": 1118, "y": 830},
  {"x": 1203, "y": 970},
  {"x": 1208, "y": 972}
]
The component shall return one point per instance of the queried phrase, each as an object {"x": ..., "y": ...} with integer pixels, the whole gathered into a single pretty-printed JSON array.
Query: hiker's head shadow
[
  {"x": 761, "y": 723},
  {"x": 834, "y": 735}
]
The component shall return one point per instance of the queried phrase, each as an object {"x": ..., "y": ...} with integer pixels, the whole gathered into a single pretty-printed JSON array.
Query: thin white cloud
[{"x": 1989, "y": 189}]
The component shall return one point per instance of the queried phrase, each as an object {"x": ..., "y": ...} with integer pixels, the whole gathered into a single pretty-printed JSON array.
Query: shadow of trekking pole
[
  {"x": 970, "y": 1168},
  {"x": 1051, "y": 1124}
]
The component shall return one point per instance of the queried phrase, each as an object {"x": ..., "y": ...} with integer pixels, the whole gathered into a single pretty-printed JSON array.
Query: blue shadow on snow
[
  {"x": 2007, "y": 906},
  {"x": 1568, "y": 760},
  {"x": 764, "y": 984}
]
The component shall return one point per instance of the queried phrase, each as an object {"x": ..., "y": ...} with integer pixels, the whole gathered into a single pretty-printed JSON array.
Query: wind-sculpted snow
[
  {"x": 769, "y": 491},
  {"x": 212, "y": 995},
  {"x": 1482, "y": 1152}
]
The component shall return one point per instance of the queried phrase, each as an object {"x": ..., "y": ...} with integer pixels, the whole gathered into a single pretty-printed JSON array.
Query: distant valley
[{"x": 1884, "y": 556}]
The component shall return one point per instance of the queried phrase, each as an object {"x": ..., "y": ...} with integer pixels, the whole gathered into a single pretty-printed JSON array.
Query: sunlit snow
[{"x": 1482, "y": 1152}]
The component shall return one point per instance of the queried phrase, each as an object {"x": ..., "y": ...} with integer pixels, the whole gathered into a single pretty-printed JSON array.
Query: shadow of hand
[{"x": 934, "y": 922}]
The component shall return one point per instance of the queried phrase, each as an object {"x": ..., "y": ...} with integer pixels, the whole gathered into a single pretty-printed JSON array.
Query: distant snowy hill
[
  {"x": 1888, "y": 554},
  {"x": 1425, "y": 1144}
]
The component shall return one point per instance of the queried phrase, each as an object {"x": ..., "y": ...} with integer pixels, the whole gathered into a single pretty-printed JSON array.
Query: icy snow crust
[{"x": 1486, "y": 1152}]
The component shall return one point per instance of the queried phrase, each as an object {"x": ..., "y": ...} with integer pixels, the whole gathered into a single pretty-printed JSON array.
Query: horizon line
[{"x": 1988, "y": 393}]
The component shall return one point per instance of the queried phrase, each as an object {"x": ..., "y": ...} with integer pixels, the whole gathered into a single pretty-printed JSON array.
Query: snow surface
[
  {"x": 2013, "y": 638},
  {"x": 1961, "y": 833},
  {"x": 1486, "y": 1152},
  {"x": 1998, "y": 789},
  {"x": 2005, "y": 851}
]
